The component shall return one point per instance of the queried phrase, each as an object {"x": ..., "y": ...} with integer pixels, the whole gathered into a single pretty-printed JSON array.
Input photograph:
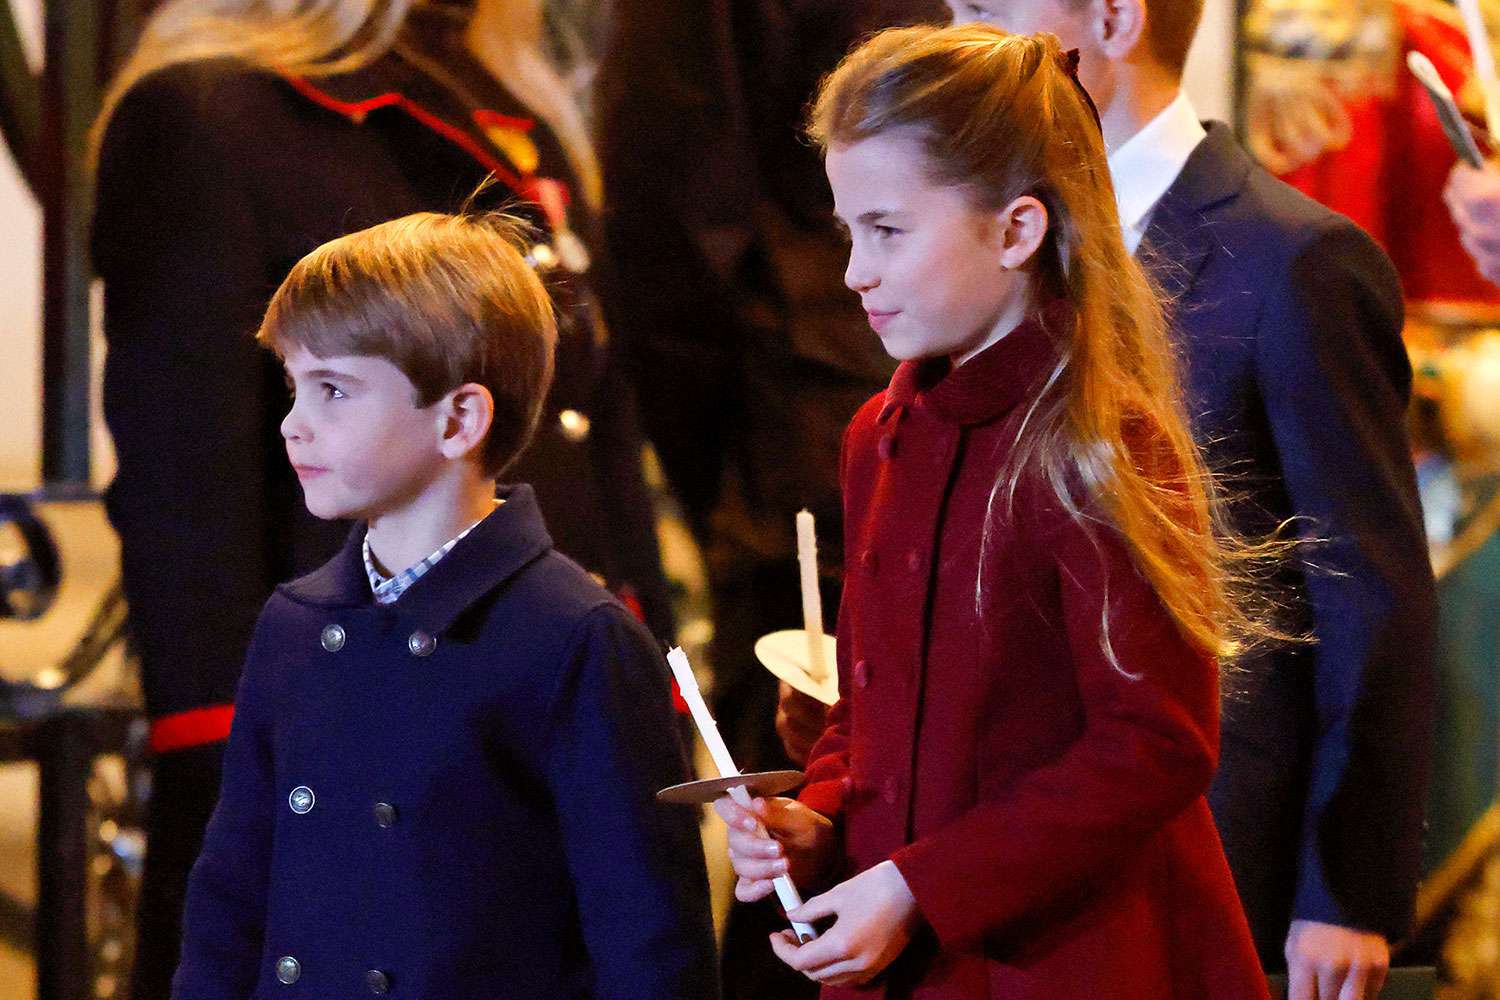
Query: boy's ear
[
  {"x": 464, "y": 419},
  {"x": 1119, "y": 26},
  {"x": 1022, "y": 228}
]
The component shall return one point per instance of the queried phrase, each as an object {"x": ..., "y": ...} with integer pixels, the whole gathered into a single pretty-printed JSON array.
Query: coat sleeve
[
  {"x": 1336, "y": 381},
  {"x": 637, "y": 866},
  {"x": 177, "y": 242},
  {"x": 224, "y": 918},
  {"x": 1147, "y": 748}
]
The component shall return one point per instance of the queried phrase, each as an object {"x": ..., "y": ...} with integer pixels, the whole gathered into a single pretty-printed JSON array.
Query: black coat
[
  {"x": 1290, "y": 320},
  {"x": 452, "y": 797},
  {"x": 214, "y": 180}
]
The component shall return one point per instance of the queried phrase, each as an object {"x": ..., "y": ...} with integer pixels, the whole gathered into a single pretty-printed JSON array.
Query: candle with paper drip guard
[
  {"x": 730, "y": 781},
  {"x": 804, "y": 657}
]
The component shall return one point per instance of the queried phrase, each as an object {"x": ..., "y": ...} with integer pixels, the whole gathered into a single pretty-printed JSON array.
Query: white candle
[
  {"x": 812, "y": 601},
  {"x": 1484, "y": 62},
  {"x": 786, "y": 892}
]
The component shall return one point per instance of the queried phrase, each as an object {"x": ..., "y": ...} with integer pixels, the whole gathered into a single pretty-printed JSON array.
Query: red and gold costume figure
[{"x": 1332, "y": 109}]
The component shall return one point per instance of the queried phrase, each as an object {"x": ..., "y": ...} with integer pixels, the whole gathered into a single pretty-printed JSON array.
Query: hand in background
[
  {"x": 1473, "y": 198},
  {"x": 874, "y": 915},
  {"x": 774, "y": 837},
  {"x": 800, "y": 721},
  {"x": 1326, "y": 962}
]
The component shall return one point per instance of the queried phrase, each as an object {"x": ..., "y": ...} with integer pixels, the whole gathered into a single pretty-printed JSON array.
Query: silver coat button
[
  {"x": 421, "y": 643},
  {"x": 301, "y": 800},
  {"x": 333, "y": 638},
  {"x": 377, "y": 982},
  {"x": 288, "y": 969}
]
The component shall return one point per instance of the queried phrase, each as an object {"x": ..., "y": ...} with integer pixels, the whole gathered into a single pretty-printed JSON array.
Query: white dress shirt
[{"x": 1148, "y": 163}]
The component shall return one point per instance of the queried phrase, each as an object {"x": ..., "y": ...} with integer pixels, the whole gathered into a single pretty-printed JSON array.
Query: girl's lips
[
  {"x": 879, "y": 319},
  {"x": 308, "y": 471}
]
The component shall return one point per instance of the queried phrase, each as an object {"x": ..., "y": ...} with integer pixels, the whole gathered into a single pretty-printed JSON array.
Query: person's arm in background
[
  {"x": 1473, "y": 198},
  {"x": 1335, "y": 379},
  {"x": 177, "y": 242}
]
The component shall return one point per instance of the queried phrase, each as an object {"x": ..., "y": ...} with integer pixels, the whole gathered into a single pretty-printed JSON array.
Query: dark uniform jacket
[
  {"x": 215, "y": 179},
  {"x": 1289, "y": 317},
  {"x": 1045, "y": 806},
  {"x": 451, "y": 797}
]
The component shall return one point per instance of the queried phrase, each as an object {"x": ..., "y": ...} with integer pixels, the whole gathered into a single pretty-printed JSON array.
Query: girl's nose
[{"x": 858, "y": 277}]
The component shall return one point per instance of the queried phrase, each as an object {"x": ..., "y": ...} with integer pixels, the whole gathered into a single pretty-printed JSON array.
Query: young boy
[{"x": 440, "y": 778}]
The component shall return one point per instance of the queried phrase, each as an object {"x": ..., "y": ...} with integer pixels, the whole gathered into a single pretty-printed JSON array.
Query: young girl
[{"x": 1008, "y": 801}]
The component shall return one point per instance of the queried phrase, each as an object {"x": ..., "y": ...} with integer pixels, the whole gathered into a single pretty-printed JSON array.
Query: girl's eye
[
  {"x": 885, "y": 232},
  {"x": 331, "y": 391}
]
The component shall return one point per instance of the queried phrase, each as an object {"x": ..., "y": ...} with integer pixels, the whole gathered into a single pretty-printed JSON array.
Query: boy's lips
[
  {"x": 879, "y": 318},
  {"x": 307, "y": 471}
]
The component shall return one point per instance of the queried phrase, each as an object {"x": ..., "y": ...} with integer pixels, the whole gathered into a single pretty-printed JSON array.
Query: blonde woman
[{"x": 239, "y": 136}]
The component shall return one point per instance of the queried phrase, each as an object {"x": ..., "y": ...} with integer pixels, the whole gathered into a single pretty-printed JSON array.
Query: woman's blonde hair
[
  {"x": 1001, "y": 116},
  {"x": 314, "y": 38}
]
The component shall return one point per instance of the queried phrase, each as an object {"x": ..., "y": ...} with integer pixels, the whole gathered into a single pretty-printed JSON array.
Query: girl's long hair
[
  {"x": 1002, "y": 116},
  {"x": 314, "y": 38}
]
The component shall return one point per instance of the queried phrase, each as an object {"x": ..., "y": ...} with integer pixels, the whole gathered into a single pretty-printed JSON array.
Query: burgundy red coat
[{"x": 1045, "y": 807}]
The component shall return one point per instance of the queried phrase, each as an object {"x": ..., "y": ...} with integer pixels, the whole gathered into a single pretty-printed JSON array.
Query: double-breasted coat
[
  {"x": 451, "y": 797},
  {"x": 1045, "y": 806}
]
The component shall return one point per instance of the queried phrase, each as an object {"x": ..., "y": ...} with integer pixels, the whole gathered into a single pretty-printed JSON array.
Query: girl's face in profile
[{"x": 936, "y": 274}]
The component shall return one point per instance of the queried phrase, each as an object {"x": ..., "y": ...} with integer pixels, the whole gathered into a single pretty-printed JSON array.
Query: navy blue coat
[
  {"x": 451, "y": 797},
  {"x": 1289, "y": 317}
]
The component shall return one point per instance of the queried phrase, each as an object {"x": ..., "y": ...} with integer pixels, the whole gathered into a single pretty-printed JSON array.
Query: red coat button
[
  {"x": 847, "y": 784},
  {"x": 868, "y": 561},
  {"x": 887, "y": 447},
  {"x": 861, "y": 674},
  {"x": 914, "y": 560},
  {"x": 889, "y": 790}
]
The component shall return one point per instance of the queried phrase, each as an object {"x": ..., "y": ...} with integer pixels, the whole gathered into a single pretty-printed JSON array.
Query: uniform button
[
  {"x": 333, "y": 638},
  {"x": 301, "y": 800},
  {"x": 869, "y": 561},
  {"x": 377, "y": 981},
  {"x": 886, "y": 447},
  {"x": 861, "y": 674},
  {"x": 421, "y": 643},
  {"x": 914, "y": 560},
  {"x": 288, "y": 969},
  {"x": 575, "y": 425},
  {"x": 889, "y": 789},
  {"x": 385, "y": 815}
]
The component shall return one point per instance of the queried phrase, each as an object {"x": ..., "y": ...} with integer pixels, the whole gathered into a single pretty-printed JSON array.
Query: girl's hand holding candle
[{"x": 773, "y": 837}]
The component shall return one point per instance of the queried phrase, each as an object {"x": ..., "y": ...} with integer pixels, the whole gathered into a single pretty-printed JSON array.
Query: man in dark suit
[{"x": 1289, "y": 318}]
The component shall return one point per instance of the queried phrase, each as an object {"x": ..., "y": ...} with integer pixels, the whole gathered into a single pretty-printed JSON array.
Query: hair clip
[{"x": 1068, "y": 63}]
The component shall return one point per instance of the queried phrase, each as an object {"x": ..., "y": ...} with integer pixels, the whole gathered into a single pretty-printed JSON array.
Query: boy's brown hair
[{"x": 448, "y": 299}]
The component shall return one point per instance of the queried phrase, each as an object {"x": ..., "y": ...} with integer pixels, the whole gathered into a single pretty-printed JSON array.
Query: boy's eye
[
  {"x": 885, "y": 232},
  {"x": 331, "y": 391}
]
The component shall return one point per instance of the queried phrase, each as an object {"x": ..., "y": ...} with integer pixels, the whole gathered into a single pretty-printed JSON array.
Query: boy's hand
[
  {"x": 875, "y": 916},
  {"x": 1327, "y": 962},
  {"x": 774, "y": 837}
]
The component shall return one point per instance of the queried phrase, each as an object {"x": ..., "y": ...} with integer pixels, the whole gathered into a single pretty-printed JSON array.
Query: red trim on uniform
[
  {"x": 485, "y": 118},
  {"x": 195, "y": 727},
  {"x": 356, "y": 111}
]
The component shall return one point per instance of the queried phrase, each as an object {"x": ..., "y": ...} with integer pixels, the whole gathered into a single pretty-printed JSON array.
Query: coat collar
[
  {"x": 989, "y": 384},
  {"x": 496, "y": 549},
  {"x": 1180, "y": 237}
]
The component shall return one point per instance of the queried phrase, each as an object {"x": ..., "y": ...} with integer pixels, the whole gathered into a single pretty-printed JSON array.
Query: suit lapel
[{"x": 1181, "y": 236}]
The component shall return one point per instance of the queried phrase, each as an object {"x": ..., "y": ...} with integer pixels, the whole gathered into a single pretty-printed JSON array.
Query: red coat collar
[{"x": 992, "y": 382}]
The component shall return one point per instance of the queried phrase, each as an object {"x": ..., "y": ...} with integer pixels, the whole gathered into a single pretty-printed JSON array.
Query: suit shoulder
[{"x": 1277, "y": 218}]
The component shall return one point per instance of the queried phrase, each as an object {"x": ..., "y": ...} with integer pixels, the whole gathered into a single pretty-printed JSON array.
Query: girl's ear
[
  {"x": 1022, "y": 228},
  {"x": 464, "y": 418}
]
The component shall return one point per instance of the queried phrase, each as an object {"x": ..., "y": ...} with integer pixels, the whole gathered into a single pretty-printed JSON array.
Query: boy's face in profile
[{"x": 357, "y": 440}]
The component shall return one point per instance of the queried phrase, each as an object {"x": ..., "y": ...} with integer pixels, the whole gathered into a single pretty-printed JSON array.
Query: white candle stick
[
  {"x": 786, "y": 892},
  {"x": 812, "y": 601},
  {"x": 1484, "y": 62}
]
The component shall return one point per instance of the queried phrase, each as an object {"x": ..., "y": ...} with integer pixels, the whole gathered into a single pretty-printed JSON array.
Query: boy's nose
[{"x": 292, "y": 426}]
